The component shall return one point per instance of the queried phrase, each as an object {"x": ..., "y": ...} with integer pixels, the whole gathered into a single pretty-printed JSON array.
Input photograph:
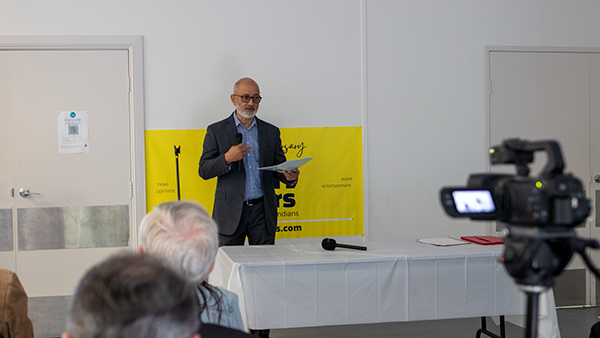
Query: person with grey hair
[
  {"x": 133, "y": 296},
  {"x": 233, "y": 151},
  {"x": 185, "y": 237}
]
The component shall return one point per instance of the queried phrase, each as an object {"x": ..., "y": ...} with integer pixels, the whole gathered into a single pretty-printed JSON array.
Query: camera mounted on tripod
[
  {"x": 540, "y": 214},
  {"x": 552, "y": 199}
]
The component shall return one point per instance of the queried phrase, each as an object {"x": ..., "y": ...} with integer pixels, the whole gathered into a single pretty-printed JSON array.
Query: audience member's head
[
  {"x": 183, "y": 235},
  {"x": 131, "y": 296}
]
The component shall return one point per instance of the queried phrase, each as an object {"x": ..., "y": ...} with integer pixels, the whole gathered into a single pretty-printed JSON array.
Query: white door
[
  {"x": 7, "y": 240},
  {"x": 546, "y": 95},
  {"x": 82, "y": 212}
]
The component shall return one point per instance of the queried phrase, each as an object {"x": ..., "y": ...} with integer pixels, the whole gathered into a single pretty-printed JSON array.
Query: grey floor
[{"x": 573, "y": 323}]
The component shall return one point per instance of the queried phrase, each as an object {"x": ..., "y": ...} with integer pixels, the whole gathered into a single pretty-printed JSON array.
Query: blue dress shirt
[{"x": 251, "y": 161}]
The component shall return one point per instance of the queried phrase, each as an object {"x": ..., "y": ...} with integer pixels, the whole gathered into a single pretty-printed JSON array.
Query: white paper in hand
[{"x": 288, "y": 165}]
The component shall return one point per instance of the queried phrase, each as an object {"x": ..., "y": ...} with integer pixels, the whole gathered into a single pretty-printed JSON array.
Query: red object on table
[{"x": 483, "y": 240}]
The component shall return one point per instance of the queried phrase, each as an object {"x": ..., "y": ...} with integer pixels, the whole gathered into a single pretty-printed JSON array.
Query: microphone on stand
[
  {"x": 330, "y": 244},
  {"x": 239, "y": 138}
]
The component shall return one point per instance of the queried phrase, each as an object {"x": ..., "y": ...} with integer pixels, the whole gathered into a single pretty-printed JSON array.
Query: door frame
[{"x": 133, "y": 44}]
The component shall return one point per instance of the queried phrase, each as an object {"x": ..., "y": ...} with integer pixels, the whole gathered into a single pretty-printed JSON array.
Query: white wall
[
  {"x": 411, "y": 72},
  {"x": 427, "y": 90}
]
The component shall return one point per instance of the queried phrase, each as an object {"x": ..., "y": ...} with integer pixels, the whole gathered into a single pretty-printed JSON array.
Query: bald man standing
[{"x": 234, "y": 150}]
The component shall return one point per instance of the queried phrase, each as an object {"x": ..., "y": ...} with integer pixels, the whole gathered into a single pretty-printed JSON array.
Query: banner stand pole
[{"x": 177, "y": 151}]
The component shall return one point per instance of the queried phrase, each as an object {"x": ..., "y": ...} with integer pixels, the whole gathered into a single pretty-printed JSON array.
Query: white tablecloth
[{"x": 285, "y": 286}]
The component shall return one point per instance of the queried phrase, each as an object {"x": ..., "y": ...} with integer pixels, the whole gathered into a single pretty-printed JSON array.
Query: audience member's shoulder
[
  {"x": 5, "y": 273},
  {"x": 5, "y": 281},
  {"x": 229, "y": 295},
  {"x": 8, "y": 277},
  {"x": 213, "y": 331}
]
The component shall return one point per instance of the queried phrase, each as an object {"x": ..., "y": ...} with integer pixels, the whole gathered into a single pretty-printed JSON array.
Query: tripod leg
[
  {"x": 532, "y": 314},
  {"x": 486, "y": 332}
]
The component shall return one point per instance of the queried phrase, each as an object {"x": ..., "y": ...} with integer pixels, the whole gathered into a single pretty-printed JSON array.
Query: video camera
[
  {"x": 553, "y": 199},
  {"x": 540, "y": 214}
]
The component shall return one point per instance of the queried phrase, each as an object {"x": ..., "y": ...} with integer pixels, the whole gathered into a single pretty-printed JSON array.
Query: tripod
[{"x": 533, "y": 256}]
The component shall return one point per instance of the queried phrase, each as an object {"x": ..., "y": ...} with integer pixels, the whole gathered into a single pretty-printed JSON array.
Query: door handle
[{"x": 24, "y": 192}]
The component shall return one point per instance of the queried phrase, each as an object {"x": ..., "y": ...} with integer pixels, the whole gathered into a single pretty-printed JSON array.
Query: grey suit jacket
[{"x": 231, "y": 184}]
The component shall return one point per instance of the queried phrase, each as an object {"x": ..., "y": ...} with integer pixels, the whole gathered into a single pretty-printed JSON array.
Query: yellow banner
[{"x": 328, "y": 200}]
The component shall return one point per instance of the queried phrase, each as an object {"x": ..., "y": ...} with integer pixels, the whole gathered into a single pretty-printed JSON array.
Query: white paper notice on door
[{"x": 73, "y": 132}]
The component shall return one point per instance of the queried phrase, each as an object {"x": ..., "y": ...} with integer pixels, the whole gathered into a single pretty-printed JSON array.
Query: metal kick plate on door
[
  {"x": 73, "y": 227},
  {"x": 6, "y": 230}
]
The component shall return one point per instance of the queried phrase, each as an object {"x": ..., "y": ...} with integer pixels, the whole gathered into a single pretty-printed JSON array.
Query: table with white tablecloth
[{"x": 286, "y": 286}]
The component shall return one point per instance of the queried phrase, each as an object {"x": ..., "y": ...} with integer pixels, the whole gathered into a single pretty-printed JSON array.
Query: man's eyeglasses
[{"x": 246, "y": 98}]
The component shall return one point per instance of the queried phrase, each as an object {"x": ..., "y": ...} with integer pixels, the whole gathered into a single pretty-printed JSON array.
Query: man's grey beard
[{"x": 247, "y": 115}]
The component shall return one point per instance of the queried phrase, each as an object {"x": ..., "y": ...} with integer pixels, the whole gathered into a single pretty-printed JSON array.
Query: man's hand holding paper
[{"x": 291, "y": 175}]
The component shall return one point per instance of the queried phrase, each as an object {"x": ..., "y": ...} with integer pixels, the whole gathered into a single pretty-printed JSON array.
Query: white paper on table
[{"x": 444, "y": 241}]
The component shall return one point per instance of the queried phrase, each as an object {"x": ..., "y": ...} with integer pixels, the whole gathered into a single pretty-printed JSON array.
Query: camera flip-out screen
[{"x": 473, "y": 201}]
